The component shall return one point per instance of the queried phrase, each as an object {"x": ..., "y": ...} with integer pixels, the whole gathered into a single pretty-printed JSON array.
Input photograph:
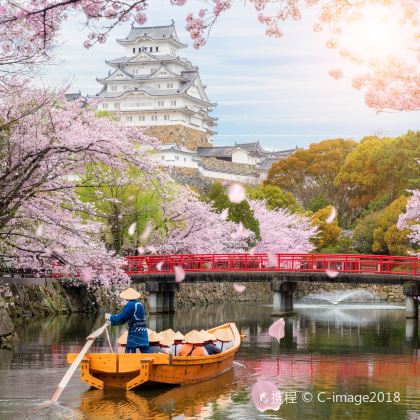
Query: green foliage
[
  {"x": 274, "y": 197},
  {"x": 363, "y": 232},
  {"x": 240, "y": 212},
  {"x": 387, "y": 238},
  {"x": 318, "y": 203},
  {"x": 380, "y": 167},
  {"x": 120, "y": 199},
  {"x": 328, "y": 232}
]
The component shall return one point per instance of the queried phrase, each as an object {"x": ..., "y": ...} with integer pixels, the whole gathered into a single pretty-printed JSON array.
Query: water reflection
[{"x": 326, "y": 349}]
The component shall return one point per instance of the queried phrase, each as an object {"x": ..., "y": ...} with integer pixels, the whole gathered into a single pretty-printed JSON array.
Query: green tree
[
  {"x": 362, "y": 236},
  {"x": 120, "y": 199},
  {"x": 238, "y": 212},
  {"x": 378, "y": 168},
  {"x": 310, "y": 174},
  {"x": 274, "y": 197},
  {"x": 387, "y": 238}
]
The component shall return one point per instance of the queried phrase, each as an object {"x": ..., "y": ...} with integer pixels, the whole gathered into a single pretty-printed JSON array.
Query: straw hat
[
  {"x": 178, "y": 336},
  {"x": 194, "y": 337},
  {"x": 122, "y": 341},
  {"x": 207, "y": 335},
  {"x": 168, "y": 333},
  {"x": 154, "y": 337},
  {"x": 166, "y": 341},
  {"x": 130, "y": 294},
  {"x": 224, "y": 335}
]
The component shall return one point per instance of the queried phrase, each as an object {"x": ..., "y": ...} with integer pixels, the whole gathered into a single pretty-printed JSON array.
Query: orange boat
[{"x": 128, "y": 371}]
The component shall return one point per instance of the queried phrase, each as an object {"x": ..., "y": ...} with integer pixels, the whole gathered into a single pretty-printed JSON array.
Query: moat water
[{"x": 328, "y": 351}]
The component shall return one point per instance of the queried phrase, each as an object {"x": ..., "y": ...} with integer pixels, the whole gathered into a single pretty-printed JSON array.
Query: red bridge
[{"x": 293, "y": 263}]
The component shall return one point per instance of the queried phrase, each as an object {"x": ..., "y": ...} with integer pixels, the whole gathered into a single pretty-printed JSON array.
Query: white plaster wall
[{"x": 172, "y": 158}]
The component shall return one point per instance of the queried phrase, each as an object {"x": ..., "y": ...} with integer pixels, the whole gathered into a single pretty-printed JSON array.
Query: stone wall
[
  {"x": 196, "y": 294},
  {"x": 179, "y": 134},
  {"x": 383, "y": 293}
]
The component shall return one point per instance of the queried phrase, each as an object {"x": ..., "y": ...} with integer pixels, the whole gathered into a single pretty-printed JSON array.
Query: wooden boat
[{"x": 128, "y": 371}]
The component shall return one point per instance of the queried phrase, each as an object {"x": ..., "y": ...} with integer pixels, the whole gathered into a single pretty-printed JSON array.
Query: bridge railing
[{"x": 342, "y": 263}]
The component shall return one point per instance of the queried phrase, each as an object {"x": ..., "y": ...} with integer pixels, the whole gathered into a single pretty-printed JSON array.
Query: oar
[
  {"x": 66, "y": 378},
  {"x": 109, "y": 340}
]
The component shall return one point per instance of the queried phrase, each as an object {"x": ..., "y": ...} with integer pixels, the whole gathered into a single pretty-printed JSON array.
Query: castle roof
[
  {"x": 154, "y": 33},
  {"x": 152, "y": 58}
]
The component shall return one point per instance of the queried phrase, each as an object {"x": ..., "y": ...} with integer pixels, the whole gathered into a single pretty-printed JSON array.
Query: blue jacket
[{"x": 133, "y": 314}]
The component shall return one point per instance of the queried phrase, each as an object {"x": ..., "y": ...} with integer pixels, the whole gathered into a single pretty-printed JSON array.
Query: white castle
[{"x": 152, "y": 86}]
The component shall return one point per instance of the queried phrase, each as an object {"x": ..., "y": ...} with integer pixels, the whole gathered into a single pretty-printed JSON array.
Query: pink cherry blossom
[
  {"x": 266, "y": 396},
  {"x": 236, "y": 193},
  {"x": 411, "y": 218},
  {"x": 132, "y": 229},
  {"x": 179, "y": 273},
  {"x": 239, "y": 287},
  {"x": 159, "y": 265},
  {"x": 271, "y": 260},
  {"x": 331, "y": 273},
  {"x": 276, "y": 329},
  {"x": 332, "y": 215}
]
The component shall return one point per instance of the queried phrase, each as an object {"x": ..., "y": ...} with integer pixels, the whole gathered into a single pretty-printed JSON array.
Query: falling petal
[
  {"x": 179, "y": 273},
  {"x": 239, "y": 287},
  {"x": 147, "y": 231},
  {"x": 331, "y": 273},
  {"x": 132, "y": 229},
  {"x": 140, "y": 250},
  {"x": 86, "y": 274},
  {"x": 271, "y": 259},
  {"x": 266, "y": 396},
  {"x": 39, "y": 230},
  {"x": 236, "y": 193},
  {"x": 151, "y": 249},
  {"x": 252, "y": 251},
  {"x": 332, "y": 216},
  {"x": 224, "y": 214},
  {"x": 131, "y": 198},
  {"x": 276, "y": 329},
  {"x": 159, "y": 265}
]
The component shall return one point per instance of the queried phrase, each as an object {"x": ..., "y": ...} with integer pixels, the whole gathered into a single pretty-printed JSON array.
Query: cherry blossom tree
[
  {"x": 385, "y": 59},
  {"x": 46, "y": 146},
  {"x": 193, "y": 227},
  {"x": 411, "y": 218},
  {"x": 282, "y": 231}
]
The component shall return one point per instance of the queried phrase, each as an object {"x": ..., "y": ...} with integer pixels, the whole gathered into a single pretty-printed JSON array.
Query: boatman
[{"x": 133, "y": 315}]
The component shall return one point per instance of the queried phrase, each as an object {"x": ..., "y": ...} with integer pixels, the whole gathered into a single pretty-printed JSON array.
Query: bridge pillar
[
  {"x": 282, "y": 297},
  {"x": 411, "y": 292},
  {"x": 161, "y": 296}
]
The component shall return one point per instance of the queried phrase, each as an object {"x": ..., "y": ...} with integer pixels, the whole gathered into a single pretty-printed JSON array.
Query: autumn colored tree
[
  {"x": 362, "y": 236},
  {"x": 310, "y": 173},
  {"x": 387, "y": 238},
  {"x": 274, "y": 197},
  {"x": 380, "y": 167},
  {"x": 328, "y": 230}
]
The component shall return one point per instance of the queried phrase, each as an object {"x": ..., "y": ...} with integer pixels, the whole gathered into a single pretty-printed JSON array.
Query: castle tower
[{"x": 151, "y": 85}]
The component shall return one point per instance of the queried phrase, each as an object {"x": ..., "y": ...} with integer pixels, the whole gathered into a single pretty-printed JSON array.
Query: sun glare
[{"x": 376, "y": 33}]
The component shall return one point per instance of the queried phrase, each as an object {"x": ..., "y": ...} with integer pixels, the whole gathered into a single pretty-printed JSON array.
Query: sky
[{"x": 277, "y": 91}]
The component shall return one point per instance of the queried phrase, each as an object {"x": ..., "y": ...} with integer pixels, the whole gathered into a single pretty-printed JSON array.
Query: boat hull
[{"x": 128, "y": 371}]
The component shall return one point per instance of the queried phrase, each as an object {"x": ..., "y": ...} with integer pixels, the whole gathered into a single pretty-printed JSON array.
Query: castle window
[
  {"x": 166, "y": 117},
  {"x": 134, "y": 50},
  {"x": 185, "y": 159},
  {"x": 105, "y": 106},
  {"x": 114, "y": 88},
  {"x": 163, "y": 157},
  {"x": 170, "y": 85},
  {"x": 130, "y": 119},
  {"x": 173, "y": 103},
  {"x": 161, "y": 103},
  {"x": 139, "y": 49},
  {"x": 158, "y": 85},
  {"x": 151, "y": 49},
  {"x": 142, "y": 118},
  {"x": 154, "y": 118},
  {"x": 117, "y": 106},
  {"x": 157, "y": 49},
  {"x": 176, "y": 157}
]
